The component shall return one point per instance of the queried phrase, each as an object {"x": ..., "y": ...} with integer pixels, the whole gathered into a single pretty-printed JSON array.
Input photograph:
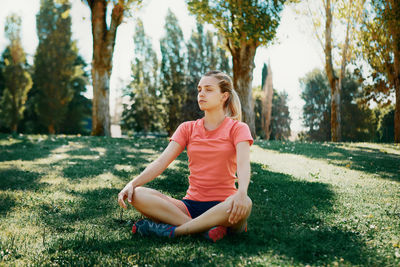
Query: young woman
[{"x": 218, "y": 147}]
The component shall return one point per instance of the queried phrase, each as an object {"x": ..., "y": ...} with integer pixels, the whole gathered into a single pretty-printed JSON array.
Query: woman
[{"x": 218, "y": 146}]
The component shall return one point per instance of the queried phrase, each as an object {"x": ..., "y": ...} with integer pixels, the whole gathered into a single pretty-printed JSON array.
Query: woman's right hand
[{"x": 126, "y": 193}]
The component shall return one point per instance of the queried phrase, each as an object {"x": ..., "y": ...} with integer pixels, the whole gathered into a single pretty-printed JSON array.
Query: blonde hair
[{"x": 232, "y": 105}]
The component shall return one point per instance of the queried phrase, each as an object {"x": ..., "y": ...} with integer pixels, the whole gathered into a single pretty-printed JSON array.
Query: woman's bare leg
[
  {"x": 157, "y": 206},
  {"x": 217, "y": 215}
]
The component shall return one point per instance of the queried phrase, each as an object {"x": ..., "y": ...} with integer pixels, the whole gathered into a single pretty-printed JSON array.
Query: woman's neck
[{"x": 213, "y": 119}]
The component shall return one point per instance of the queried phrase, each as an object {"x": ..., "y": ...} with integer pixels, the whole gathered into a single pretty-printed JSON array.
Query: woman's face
[{"x": 209, "y": 94}]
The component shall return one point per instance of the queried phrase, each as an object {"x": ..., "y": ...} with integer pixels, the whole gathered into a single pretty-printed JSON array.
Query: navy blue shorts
[{"x": 196, "y": 208}]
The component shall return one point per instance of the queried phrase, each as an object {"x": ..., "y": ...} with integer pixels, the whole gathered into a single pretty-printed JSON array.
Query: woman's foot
[
  {"x": 216, "y": 233},
  {"x": 147, "y": 227}
]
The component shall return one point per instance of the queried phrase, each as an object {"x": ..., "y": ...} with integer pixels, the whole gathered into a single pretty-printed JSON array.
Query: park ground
[{"x": 317, "y": 204}]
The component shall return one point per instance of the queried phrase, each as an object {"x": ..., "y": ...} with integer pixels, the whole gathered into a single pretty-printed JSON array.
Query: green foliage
[
  {"x": 205, "y": 53},
  {"x": 257, "y": 97},
  {"x": 3, "y": 127},
  {"x": 54, "y": 64},
  {"x": 172, "y": 72},
  {"x": 358, "y": 123},
  {"x": 280, "y": 117},
  {"x": 144, "y": 113},
  {"x": 386, "y": 124},
  {"x": 79, "y": 110},
  {"x": 240, "y": 21},
  {"x": 375, "y": 47},
  {"x": 317, "y": 107},
  {"x": 16, "y": 79},
  {"x": 264, "y": 75},
  {"x": 357, "y": 119}
]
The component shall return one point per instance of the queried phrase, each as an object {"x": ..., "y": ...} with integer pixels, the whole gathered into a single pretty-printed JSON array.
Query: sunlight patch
[
  {"x": 9, "y": 142},
  {"x": 53, "y": 180},
  {"x": 335, "y": 154},
  {"x": 61, "y": 149},
  {"x": 307, "y": 168},
  {"x": 104, "y": 180},
  {"x": 120, "y": 167},
  {"x": 100, "y": 150}
]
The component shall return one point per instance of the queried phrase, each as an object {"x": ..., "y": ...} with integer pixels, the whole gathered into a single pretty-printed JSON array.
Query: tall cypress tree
[
  {"x": 173, "y": 72},
  {"x": 54, "y": 64},
  {"x": 16, "y": 79},
  {"x": 280, "y": 117},
  {"x": 144, "y": 111},
  {"x": 79, "y": 110}
]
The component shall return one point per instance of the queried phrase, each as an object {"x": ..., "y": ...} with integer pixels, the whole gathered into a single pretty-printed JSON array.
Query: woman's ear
[{"x": 226, "y": 96}]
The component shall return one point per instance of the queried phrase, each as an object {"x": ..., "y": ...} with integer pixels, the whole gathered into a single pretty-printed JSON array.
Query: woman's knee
[{"x": 139, "y": 193}]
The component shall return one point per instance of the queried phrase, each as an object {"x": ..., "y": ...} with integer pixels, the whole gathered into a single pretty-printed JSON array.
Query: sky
[{"x": 293, "y": 54}]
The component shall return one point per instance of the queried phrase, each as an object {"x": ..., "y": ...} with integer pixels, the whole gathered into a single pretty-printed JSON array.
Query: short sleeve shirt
[{"x": 212, "y": 157}]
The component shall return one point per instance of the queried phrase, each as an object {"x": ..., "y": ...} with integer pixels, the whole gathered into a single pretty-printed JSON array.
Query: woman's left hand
[{"x": 238, "y": 207}]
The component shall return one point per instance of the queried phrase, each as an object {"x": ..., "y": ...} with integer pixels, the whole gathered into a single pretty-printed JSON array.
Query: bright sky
[{"x": 291, "y": 57}]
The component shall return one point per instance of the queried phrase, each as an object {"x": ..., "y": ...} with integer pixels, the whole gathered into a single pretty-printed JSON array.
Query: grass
[{"x": 318, "y": 204}]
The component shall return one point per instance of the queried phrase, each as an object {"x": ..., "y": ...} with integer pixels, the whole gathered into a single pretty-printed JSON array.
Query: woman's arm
[
  {"x": 243, "y": 165},
  {"x": 240, "y": 202},
  {"x": 153, "y": 170}
]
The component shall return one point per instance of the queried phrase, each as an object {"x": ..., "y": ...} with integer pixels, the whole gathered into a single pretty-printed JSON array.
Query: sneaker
[
  {"x": 216, "y": 233},
  {"x": 147, "y": 227}
]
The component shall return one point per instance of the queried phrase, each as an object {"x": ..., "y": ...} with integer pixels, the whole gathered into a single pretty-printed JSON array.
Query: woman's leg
[
  {"x": 157, "y": 206},
  {"x": 217, "y": 215}
]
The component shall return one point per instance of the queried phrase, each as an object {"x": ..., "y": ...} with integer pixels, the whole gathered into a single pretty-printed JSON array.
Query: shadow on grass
[
  {"x": 290, "y": 221},
  {"x": 370, "y": 160},
  {"x": 91, "y": 207},
  {"x": 28, "y": 149},
  {"x": 15, "y": 179},
  {"x": 106, "y": 161},
  {"x": 7, "y": 202}
]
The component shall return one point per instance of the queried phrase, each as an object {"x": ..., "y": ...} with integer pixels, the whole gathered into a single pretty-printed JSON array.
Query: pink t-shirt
[{"x": 212, "y": 157}]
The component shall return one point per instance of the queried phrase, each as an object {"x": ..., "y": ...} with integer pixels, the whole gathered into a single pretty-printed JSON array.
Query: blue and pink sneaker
[
  {"x": 216, "y": 233},
  {"x": 147, "y": 227}
]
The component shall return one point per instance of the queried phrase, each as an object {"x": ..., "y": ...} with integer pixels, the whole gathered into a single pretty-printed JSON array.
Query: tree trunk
[
  {"x": 394, "y": 28},
  {"x": 51, "y": 129},
  {"x": 103, "y": 49},
  {"x": 397, "y": 88},
  {"x": 101, "y": 100},
  {"x": 14, "y": 128},
  {"x": 333, "y": 80},
  {"x": 268, "y": 93},
  {"x": 243, "y": 65}
]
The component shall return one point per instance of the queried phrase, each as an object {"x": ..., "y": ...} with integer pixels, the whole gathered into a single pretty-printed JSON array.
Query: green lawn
[{"x": 313, "y": 204}]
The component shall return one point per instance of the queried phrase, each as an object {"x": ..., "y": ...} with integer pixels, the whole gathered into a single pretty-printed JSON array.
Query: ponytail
[
  {"x": 234, "y": 109},
  {"x": 232, "y": 105}
]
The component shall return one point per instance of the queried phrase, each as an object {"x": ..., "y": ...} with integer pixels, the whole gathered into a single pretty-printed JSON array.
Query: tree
[
  {"x": 245, "y": 25},
  {"x": 17, "y": 80},
  {"x": 144, "y": 112},
  {"x": 3, "y": 127},
  {"x": 380, "y": 47},
  {"x": 172, "y": 72},
  {"x": 317, "y": 107},
  {"x": 103, "y": 49},
  {"x": 268, "y": 94},
  {"x": 53, "y": 64},
  {"x": 205, "y": 53},
  {"x": 280, "y": 117},
  {"x": 336, "y": 14},
  {"x": 358, "y": 122},
  {"x": 79, "y": 108},
  {"x": 385, "y": 124}
]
